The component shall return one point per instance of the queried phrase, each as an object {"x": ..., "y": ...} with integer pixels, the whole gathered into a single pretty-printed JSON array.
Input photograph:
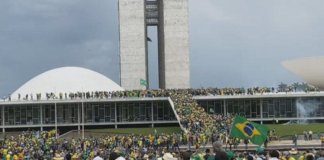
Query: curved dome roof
[
  {"x": 310, "y": 70},
  {"x": 66, "y": 80}
]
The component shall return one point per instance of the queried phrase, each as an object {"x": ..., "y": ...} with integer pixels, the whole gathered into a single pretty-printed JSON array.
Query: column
[
  {"x": 83, "y": 118},
  {"x": 261, "y": 110},
  {"x": 152, "y": 114},
  {"x": 55, "y": 121},
  {"x": 116, "y": 115},
  {"x": 41, "y": 117},
  {"x": 79, "y": 117},
  {"x": 3, "y": 119},
  {"x": 225, "y": 108}
]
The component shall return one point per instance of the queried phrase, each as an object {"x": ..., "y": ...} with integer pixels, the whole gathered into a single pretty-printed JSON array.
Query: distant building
[
  {"x": 171, "y": 19},
  {"x": 66, "y": 80},
  {"x": 310, "y": 70},
  {"x": 137, "y": 112}
]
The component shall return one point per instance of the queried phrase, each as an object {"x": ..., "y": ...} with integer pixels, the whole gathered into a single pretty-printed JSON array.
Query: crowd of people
[
  {"x": 36, "y": 145},
  {"x": 196, "y": 121},
  {"x": 199, "y": 129},
  {"x": 143, "y": 93}
]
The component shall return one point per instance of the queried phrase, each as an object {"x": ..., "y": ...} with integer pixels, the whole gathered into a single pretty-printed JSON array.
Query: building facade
[
  {"x": 110, "y": 112},
  {"x": 171, "y": 19},
  {"x": 122, "y": 111}
]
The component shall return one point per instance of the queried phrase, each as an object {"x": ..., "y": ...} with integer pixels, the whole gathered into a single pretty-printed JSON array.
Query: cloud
[
  {"x": 232, "y": 43},
  {"x": 100, "y": 55}
]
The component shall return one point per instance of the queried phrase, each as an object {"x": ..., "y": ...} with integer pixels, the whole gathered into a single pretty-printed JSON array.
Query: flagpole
[
  {"x": 82, "y": 115},
  {"x": 55, "y": 120},
  {"x": 55, "y": 112},
  {"x": 232, "y": 128}
]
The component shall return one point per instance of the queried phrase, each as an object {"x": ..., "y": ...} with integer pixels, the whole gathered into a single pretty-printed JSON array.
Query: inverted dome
[
  {"x": 310, "y": 70},
  {"x": 67, "y": 80}
]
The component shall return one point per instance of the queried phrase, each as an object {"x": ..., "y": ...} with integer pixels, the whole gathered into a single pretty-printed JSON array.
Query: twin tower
[{"x": 171, "y": 19}]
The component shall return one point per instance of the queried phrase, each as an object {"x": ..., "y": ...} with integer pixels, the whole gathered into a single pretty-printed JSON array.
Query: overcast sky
[{"x": 232, "y": 43}]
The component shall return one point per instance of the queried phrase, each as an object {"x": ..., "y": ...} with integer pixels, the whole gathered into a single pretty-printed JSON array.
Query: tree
[
  {"x": 304, "y": 86},
  {"x": 282, "y": 87},
  {"x": 296, "y": 86}
]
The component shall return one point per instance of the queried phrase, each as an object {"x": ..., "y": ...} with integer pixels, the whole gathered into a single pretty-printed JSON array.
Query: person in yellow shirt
[
  {"x": 286, "y": 156},
  {"x": 75, "y": 156},
  {"x": 21, "y": 155},
  {"x": 322, "y": 140},
  {"x": 15, "y": 157},
  {"x": 5, "y": 151},
  {"x": 302, "y": 157},
  {"x": 140, "y": 143},
  {"x": 92, "y": 154},
  {"x": 9, "y": 155},
  {"x": 133, "y": 155},
  {"x": 106, "y": 142}
]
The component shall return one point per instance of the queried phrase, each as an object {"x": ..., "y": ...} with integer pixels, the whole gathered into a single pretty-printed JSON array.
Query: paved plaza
[
  {"x": 281, "y": 145},
  {"x": 284, "y": 144}
]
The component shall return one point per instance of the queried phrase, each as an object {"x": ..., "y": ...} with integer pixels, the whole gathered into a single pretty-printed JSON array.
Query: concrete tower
[{"x": 171, "y": 18}]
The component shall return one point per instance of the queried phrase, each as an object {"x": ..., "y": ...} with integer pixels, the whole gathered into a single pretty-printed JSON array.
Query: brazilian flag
[
  {"x": 143, "y": 82},
  {"x": 133, "y": 93},
  {"x": 188, "y": 111},
  {"x": 244, "y": 129}
]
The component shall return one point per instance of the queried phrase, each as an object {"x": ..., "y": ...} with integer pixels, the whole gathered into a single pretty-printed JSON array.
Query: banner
[{"x": 244, "y": 129}]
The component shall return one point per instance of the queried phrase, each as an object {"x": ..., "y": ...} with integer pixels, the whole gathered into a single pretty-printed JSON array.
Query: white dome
[
  {"x": 310, "y": 70},
  {"x": 66, "y": 80}
]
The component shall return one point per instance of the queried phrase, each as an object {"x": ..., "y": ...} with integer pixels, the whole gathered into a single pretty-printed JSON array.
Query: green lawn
[
  {"x": 143, "y": 131},
  {"x": 283, "y": 130}
]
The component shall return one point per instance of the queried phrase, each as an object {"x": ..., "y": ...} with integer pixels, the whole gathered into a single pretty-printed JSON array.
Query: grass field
[{"x": 282, "y": 130}]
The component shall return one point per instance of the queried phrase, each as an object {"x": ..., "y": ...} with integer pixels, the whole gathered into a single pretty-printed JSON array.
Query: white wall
[
  {"x": 132, "y": 43},
  {"x": 175, "y": 33}
]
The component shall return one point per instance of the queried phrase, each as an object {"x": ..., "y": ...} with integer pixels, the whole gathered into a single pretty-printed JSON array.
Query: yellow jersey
[
  {"x": 15, "y": 157},
  {"x": 8, "y": 156},
  {"x": 5, "y": 152},
  {"x": 301, "y": 157}
]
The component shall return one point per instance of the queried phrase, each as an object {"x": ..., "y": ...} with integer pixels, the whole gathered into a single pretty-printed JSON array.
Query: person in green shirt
[
  {"x": 295, "y": 140},
  {"x": 217, "y": 147},
  {"x": 318, "y": 135}
]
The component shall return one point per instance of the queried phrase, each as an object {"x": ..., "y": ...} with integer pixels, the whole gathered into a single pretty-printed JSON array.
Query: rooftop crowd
[
  {"x": 199, "y": 129},
  {"x": 143, "y": 93}
]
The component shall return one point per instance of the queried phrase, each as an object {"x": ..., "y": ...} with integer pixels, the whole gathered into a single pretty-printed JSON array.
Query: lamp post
[
  {"x": 82, "y": 114},
  {"x": 55, "y": 113}
]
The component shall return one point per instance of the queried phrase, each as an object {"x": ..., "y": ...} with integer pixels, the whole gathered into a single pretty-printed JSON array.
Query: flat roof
[
  {"x": 218, "y": 97},
  {"x": 265, "y": 95},
  {"x": 51, "y": 101}
]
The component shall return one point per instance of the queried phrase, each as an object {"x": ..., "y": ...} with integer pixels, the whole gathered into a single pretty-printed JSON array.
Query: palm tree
[
  {"x": 304, "y": 85},
  {"x": 282, "y": 87},
  {"x": 296, "y": 86}
]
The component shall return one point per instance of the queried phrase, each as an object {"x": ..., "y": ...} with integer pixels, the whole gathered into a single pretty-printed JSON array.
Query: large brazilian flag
[
  {"x": 133, "y": 93},
  {"x": 244, "y": 129}
]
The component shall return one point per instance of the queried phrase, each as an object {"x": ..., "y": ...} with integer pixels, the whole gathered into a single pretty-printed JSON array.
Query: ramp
[{"x": 175, "y": 113}]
